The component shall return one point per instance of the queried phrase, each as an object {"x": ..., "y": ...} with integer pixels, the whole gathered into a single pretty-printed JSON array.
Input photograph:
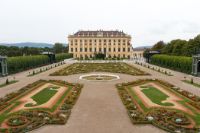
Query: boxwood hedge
[
  {"x": 178, "y": 63},
  {"x": 21, "y": 63}
]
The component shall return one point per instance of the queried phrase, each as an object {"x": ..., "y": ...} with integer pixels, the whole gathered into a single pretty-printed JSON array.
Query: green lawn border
[
  {"x": 128, "y": 87},
  {"x": 13, "y": 102},
  {"x": 9, "y": 83},
  {"x": 194, "y": 84}
]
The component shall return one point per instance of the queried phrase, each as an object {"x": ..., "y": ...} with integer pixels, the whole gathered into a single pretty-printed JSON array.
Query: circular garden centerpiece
[{"x": 99, "y": 77}]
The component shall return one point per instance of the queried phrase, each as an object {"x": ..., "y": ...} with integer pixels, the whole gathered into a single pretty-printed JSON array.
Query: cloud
[{"x": 51, "y": 21}]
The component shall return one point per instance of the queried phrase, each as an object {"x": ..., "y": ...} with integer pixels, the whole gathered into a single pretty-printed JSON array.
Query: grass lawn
[
  {"x": 11, "y": 82},
  {"x": 40, "y": 97},
  {"x": 156, "y": 96},
  {"x": 43, "y": 96},
  {"x": 77, "y": 68},
  {"x": 189, "y": 82}
]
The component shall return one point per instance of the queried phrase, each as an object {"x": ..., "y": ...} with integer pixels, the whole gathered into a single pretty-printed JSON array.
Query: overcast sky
[{"x": 147, "y": 21}]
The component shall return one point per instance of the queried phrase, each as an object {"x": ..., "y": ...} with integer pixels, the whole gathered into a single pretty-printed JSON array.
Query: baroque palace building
[{"x": 114, "y": 44}]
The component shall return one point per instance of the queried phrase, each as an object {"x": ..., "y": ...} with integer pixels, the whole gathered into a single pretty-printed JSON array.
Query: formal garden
[
  {"x": 153, "y": 101},
  {"x": 77, "y": 68},
  {"x": 40, "y": 103}
]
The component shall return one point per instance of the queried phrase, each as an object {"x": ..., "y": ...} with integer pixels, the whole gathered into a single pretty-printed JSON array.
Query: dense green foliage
[
  {"x": 156, "y": 96},
  {"x": 99, "y": 56},
  {"x": 61, "y": 57},
  {"x": 158, "y": 46},
  {"x": 21, "y": 63},
  {"x": 179, "y": 63},
  {"x": 59, "y": 48},
  {"x": 178, "y": 47},
  {"x": 11, "y": 51}
]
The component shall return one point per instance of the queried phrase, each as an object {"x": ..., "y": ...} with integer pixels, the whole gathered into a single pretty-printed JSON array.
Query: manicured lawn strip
[
  {"x": 146, "y": 111},
  {"x": 57, "y": 103},
  {"x": 11, "y": 82},
  {"x": 5, "y": 114},
  {"x": 28, "y": 91},
  {"x": 139, "y": 101},
  {"x": 61, "y": 99},
  {"x": 189, "y": 82},
  {"x": 43, "y": 96},
  {"x": 195, "y": 117},
  {"x": 13, "y": 100},
  {"x": 156, "y": 96}
]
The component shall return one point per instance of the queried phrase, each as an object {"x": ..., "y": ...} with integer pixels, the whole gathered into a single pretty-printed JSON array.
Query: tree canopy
[
  {"x": 12, "y": 51},
  {"x": 179, "y": 47}
]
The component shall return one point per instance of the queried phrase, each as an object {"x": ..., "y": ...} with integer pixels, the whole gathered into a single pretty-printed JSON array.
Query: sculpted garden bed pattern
[
  {"x": 40, "y": 103},
  {"x": 77, "y": 68},
  {"x": 99, "y": 77},
  {"x": 161, "y": 104}
]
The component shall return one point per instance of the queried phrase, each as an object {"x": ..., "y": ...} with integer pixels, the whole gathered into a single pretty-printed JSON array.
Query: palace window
[
  {"x": 104, "y": 50},
  {"x": 85, "y": 49},
  {"x": 124, "y": 49}
]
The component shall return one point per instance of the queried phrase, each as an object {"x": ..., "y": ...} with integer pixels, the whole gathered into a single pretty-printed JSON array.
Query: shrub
[
  {"x": 178, "y": 63},
  {"x": 61, "y": 57},
  {"x": 21, "y": 63}
]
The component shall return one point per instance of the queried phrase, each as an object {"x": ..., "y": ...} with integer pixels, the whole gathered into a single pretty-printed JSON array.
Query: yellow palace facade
[{"x": 114, "y": 44}]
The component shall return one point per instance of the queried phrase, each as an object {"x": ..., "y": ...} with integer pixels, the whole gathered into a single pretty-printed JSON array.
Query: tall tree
[
  {"x": 58, "y": 48},
  {"x": 158, "y": 46}
]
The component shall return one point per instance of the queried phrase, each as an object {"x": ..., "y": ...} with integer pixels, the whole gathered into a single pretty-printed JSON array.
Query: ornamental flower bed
[
  {"x": 28, "y": 119},
  {"x": 169, "y": 119}
]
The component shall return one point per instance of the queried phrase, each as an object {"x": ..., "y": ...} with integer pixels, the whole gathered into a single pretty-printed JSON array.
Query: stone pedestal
[
  {"x": 3, "y": 66},
  {"x": 196, "y": 65}
]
